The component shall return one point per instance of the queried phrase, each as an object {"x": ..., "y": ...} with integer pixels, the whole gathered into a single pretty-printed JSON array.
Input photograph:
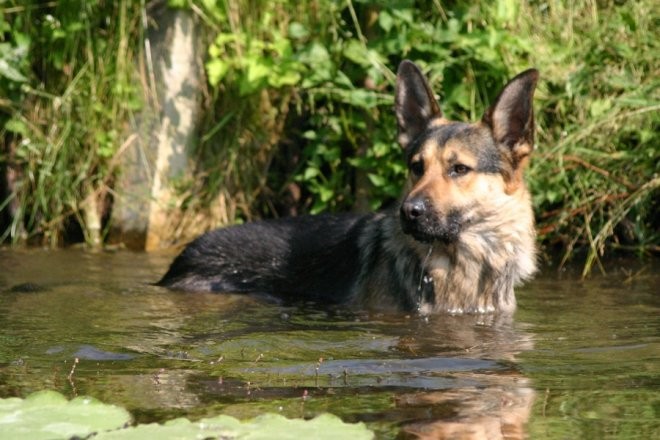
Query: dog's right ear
[{"x": 414, "y": 103}]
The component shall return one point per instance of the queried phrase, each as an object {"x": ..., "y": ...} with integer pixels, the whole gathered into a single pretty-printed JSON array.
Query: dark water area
[{"x": 580, "y": 359}]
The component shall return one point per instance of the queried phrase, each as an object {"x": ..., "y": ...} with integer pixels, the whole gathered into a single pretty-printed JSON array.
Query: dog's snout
[
  {"x": 414, "y": 208},
  {"x": 421, "y": 219}
]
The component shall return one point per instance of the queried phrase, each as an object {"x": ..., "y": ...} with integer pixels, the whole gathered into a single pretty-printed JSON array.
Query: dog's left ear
[
  {"x": 414, "y": 103},
  {"x": 511, "y": 118}
]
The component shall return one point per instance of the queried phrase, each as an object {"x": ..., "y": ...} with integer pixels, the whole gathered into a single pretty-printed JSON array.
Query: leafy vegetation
[{"x": 299, "y": 109}]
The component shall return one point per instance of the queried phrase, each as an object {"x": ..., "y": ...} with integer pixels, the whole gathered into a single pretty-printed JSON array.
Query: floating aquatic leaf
[
  {"x": 267, "y": 426},
  {"x": 49, "y": 415}
]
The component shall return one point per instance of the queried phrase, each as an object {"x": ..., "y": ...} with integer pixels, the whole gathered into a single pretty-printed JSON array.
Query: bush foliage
[{"x": 299, "y": 116}]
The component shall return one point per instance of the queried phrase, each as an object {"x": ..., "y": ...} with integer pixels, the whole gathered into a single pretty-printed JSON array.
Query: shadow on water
[{"x": 579, "y": 359}]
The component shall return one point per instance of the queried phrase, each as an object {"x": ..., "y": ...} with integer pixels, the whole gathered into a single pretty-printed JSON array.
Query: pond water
[{"x": 580, "y": 359}]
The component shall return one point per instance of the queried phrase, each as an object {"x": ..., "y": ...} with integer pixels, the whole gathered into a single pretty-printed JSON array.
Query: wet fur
[{"x": 458, "y": 242}]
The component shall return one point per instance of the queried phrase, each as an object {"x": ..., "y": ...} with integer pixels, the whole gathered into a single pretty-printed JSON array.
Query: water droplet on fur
[{"x": 423, "y": 276}]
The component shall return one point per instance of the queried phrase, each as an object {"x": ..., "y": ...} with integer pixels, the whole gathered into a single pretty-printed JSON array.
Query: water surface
[{"x": 578, "y": 360}]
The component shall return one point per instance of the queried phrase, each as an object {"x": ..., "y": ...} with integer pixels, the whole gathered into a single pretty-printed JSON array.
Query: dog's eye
[
  {"x": 417, "y": 168},
  {"x": 459, "y": 170}
]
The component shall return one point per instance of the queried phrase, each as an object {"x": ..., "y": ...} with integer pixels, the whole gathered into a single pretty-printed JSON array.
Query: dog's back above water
[{"x": 459, "y": 240}]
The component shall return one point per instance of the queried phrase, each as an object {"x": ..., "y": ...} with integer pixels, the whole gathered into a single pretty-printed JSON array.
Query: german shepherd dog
[{"x": 459, "y": 240}]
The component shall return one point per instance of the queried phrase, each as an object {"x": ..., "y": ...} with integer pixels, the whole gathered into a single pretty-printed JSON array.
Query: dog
[{"x": 458, "y": 241}]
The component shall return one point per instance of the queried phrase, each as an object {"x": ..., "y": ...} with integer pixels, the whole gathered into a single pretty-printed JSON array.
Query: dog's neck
[
  {"x": 477, "y": 274},
  {"x": 463, "y": 285}
]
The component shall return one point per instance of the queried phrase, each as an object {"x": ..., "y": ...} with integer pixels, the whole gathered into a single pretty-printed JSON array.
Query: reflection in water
[
  {"x": 449, "y": 376},
  {"x": 500, "y": 411},
  {"x": 494, "y": 404},
  {"x": 589, "y": 348}
]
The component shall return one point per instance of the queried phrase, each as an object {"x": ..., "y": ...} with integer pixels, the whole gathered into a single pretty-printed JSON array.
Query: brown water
[{"x": 580, "y": 359}]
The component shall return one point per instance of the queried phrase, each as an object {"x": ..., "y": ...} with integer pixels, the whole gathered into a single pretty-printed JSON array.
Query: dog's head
[{"x": 457, "y": 168}]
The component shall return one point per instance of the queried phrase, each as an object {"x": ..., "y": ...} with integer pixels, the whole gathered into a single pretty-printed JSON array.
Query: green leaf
[
  {"x": 357, "y": 52},
  {"x": 286, "y": 78},
  {"x": 48, "y": 415},
  {"x": 385, "y": 21},
  {"x": 297, "y": 31},
  {"x": 258, "y": 71},
  {"x": 377, "y": 180},
  {"x": 11, "y": 72},
  {"x": 310, "y": 173},
  {"x": 16, "y": 126},
  {"x": 267, "y": 426},
  {"x": 316, "y": 54},
  {"x": 216, "y": 71},
  {"x": 326, "y": 194},
  {"x": 361, "y": 98},
  {"x": 599, "y": 107}
]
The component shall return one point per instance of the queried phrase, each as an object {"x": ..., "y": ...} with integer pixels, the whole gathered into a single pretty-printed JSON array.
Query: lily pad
[
  {"x": 49, "y": 415},
  {"x": 265, "y": 427}
]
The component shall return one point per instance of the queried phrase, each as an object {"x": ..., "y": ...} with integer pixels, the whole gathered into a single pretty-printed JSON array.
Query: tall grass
[
  {"x": 596, "y": 180},
  {"x": 64, "y": 127}
]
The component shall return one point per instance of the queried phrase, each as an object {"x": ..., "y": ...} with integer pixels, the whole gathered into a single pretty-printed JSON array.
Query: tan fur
[{"x": 500, "y": 237}]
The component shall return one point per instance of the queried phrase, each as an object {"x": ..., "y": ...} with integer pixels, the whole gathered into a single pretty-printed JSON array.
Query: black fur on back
[{"x": 307, "y": 257}]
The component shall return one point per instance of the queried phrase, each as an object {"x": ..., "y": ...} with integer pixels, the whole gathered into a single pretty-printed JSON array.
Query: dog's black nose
[{"x": 414, "y": 208}]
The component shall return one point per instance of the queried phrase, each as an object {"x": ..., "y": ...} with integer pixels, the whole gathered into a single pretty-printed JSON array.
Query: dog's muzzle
[{"x": 425, "y": 224}]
